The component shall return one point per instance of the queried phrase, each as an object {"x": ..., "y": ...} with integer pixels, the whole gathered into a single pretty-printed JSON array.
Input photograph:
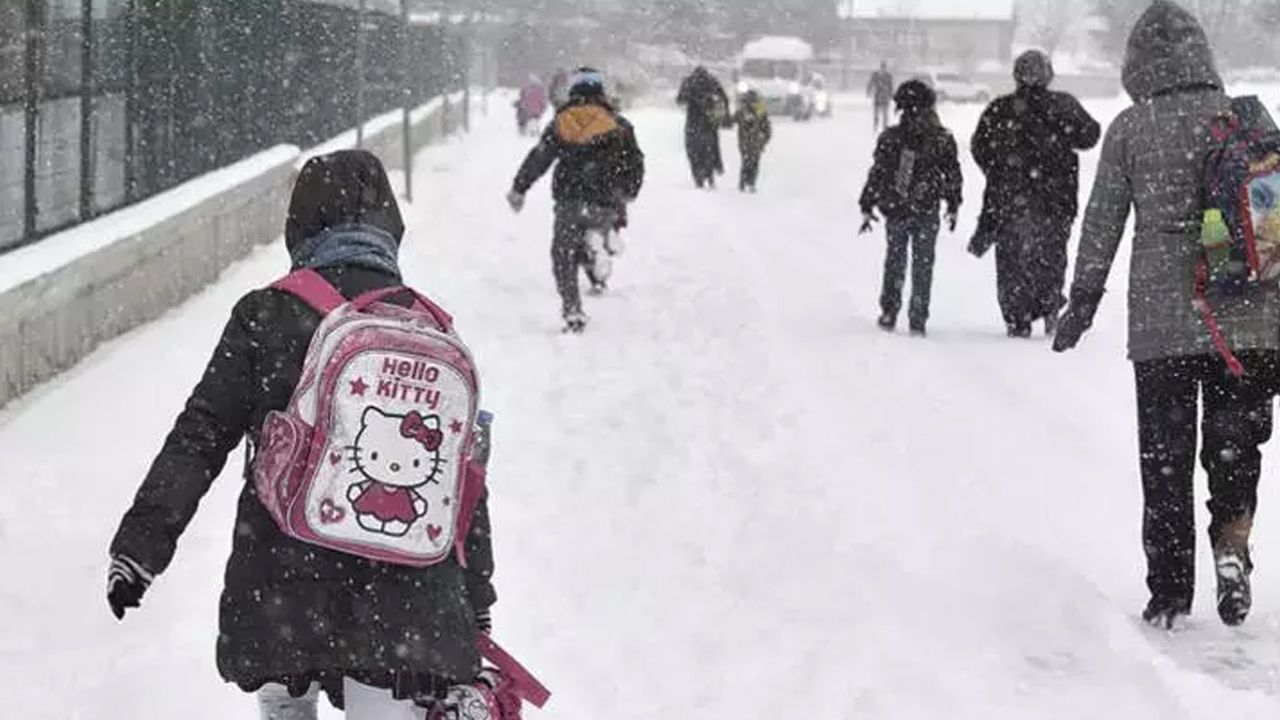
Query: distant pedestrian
[
  {"x": 754, "y": 133},
  {"x": 917, "y": 168},
  {"x": 531, "y": 104},
  {"x": 706, "y": 111},
  {"x": 880, "y": 90},
  {"x": 1027, "y": 144},
  {"x": 599, "y": 168}
]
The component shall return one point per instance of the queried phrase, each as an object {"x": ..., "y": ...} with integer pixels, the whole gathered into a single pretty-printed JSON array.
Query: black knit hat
[
  {"x": 915, "y": 96},
  {"x": 1033, "y": 69}
]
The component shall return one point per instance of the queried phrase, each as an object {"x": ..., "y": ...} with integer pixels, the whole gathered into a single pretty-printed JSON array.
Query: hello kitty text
[{"x": 409, "y": 381}]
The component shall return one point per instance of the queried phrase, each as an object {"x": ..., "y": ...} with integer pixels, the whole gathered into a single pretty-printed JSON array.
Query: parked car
[{"x": 955, "y": 87}]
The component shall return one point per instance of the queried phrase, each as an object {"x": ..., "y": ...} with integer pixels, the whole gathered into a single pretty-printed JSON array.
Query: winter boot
[
  {"x": 918, "y": 330},
  {"x": 1233, "y": 567},
  {"x": 575, "y": 322},
  {"x": 1019, "y": 330},
  {"x": 887, "y": 322},
  {"x": 1165, "y": 612},
  {"x": 1051, "y": 324}
]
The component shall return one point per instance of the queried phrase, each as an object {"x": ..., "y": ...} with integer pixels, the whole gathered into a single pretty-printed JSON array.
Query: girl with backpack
[
  {"x": 1153, "y": 161},
  {"x": 297, "y": 618},
  {"x": 916, "y": 169}
]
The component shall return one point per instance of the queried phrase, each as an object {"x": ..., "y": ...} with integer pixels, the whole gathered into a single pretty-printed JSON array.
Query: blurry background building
[{"x": 920, "y": 33}]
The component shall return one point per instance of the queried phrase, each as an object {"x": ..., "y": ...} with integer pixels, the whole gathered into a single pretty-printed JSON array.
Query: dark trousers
[
  {"x": 702, "y": 145},
  {"x": 750, "y": 168},
  {"x": 1031, "y": 268},
  {"x": 919, "y": 234},
  {"x": 1237, "y": 419},
  {"x": 880, "y": 118},
  {"x": 569, "y": 249}
]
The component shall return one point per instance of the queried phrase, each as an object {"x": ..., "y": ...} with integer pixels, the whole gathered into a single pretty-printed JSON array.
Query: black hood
[
  {"x": 348, "y": 187},
  {"x": 1167, "y": 51}
]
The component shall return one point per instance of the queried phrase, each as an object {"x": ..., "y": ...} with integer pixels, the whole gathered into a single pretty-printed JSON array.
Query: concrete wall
[{"x": 63, "y": 296}]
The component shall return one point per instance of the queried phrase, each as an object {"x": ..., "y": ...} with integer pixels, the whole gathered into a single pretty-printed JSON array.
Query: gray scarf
[{"x": 362, "y": 246}]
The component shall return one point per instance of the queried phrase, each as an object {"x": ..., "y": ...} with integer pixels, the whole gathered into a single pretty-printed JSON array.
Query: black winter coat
[
  {"x": 705, "y": 102},
  {"x": 599, "y": 161},
  {"x": 293, "y": 613},
  {"x": 917, "y": 167},
  {"x": 1027, "y": 145}
]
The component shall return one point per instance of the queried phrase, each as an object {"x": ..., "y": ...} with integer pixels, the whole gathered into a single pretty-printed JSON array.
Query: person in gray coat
[{"x": 1151, "y": 160}]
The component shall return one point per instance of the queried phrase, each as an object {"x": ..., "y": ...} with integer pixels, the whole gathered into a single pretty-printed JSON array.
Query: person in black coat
[
  {"x": 295, "y": 616},
  {"x": 599, "y": 170},
  {"x": 706, "y": 111},
  {"x": 916, "y": 169},
  {"x": 1027, "y": 144}
]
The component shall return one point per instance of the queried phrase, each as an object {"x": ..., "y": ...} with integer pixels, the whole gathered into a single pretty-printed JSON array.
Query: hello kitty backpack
[{"x": 372, "y": 455}]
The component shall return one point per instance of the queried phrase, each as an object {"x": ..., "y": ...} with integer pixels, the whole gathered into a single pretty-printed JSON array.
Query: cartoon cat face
[{"x": 398, "y": 450}]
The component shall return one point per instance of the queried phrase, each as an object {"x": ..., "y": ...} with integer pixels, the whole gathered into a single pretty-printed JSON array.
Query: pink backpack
[{"x": 372, "y": 455}]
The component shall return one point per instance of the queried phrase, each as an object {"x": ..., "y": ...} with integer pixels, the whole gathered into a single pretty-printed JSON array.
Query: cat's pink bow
[{"x": 415, "y": 427}]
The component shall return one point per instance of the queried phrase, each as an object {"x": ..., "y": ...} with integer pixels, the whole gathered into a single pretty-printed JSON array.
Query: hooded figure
[
  {"x": 916, "y": 169},
  {"x": 1152, "y": 161},
  {"x": 706, "y": 111},
  {"x": 1027, "y": 144},
  {"x": 295, "y": 616},
  {"x": 599, "y": 170}
]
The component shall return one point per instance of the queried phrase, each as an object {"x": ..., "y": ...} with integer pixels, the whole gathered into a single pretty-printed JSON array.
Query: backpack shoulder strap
[
  {"x": 311, "y": 288},
  {"x": 527, "y": 686}
]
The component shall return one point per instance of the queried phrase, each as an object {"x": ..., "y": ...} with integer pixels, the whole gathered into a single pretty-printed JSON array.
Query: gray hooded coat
[{"x": 1151, "y": 160}]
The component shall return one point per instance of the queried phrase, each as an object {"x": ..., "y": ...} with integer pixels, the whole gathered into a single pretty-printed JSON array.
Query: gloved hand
[
  {"x": 953, "y": 217},
  {"x": 1077, "y": 320},
  {"x": 515, "y": 199},
  {"x": 127, "y": 582},
  {"x": 869, "y": 220}
]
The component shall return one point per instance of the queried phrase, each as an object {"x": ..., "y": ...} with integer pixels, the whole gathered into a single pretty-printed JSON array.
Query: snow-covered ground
[{"x": 733, "y": 497}]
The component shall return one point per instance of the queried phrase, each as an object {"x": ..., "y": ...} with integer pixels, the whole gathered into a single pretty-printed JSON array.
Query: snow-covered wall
[{"x": 60, "y": 298}]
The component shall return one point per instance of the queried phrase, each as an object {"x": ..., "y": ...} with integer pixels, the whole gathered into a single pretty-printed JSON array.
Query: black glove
[
  {"x": 869, "y": 220},
  {"x": 484, "y": 621},
  {"x": 1077, "y": 320},
  {"x": 953, "y": 217},
  {"x": 127, "y": 582}
]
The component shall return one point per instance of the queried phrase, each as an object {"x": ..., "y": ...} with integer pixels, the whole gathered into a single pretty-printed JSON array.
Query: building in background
[{"x": 928, "y": 33}]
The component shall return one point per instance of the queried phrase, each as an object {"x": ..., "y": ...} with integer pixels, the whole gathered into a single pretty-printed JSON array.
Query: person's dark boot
[
  {"x": 887, "y": 322},
  {"x": 1233, "y": 566},
  {"x": 1166, "y": 612},
  {"x": 1051, "y": 324},
  {"x": 1019, "y": 330}
]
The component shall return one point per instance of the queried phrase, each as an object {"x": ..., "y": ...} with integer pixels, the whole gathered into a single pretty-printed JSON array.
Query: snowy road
[{"x": 732, "y": 498}]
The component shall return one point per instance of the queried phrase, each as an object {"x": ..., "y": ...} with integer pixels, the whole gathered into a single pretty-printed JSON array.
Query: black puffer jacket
[
  {"x": 917, "y": 167},
  {"x": 1027, "y": 144},
  {"x": 600, "y": 162},
  {"x": 293, "y": 613}
]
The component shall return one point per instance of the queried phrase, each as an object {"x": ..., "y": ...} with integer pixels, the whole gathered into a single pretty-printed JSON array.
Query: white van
[{"x": 779, "y": 69}]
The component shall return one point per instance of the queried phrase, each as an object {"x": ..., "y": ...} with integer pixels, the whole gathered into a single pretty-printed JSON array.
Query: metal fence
[{"x": 107, "y": 102}]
